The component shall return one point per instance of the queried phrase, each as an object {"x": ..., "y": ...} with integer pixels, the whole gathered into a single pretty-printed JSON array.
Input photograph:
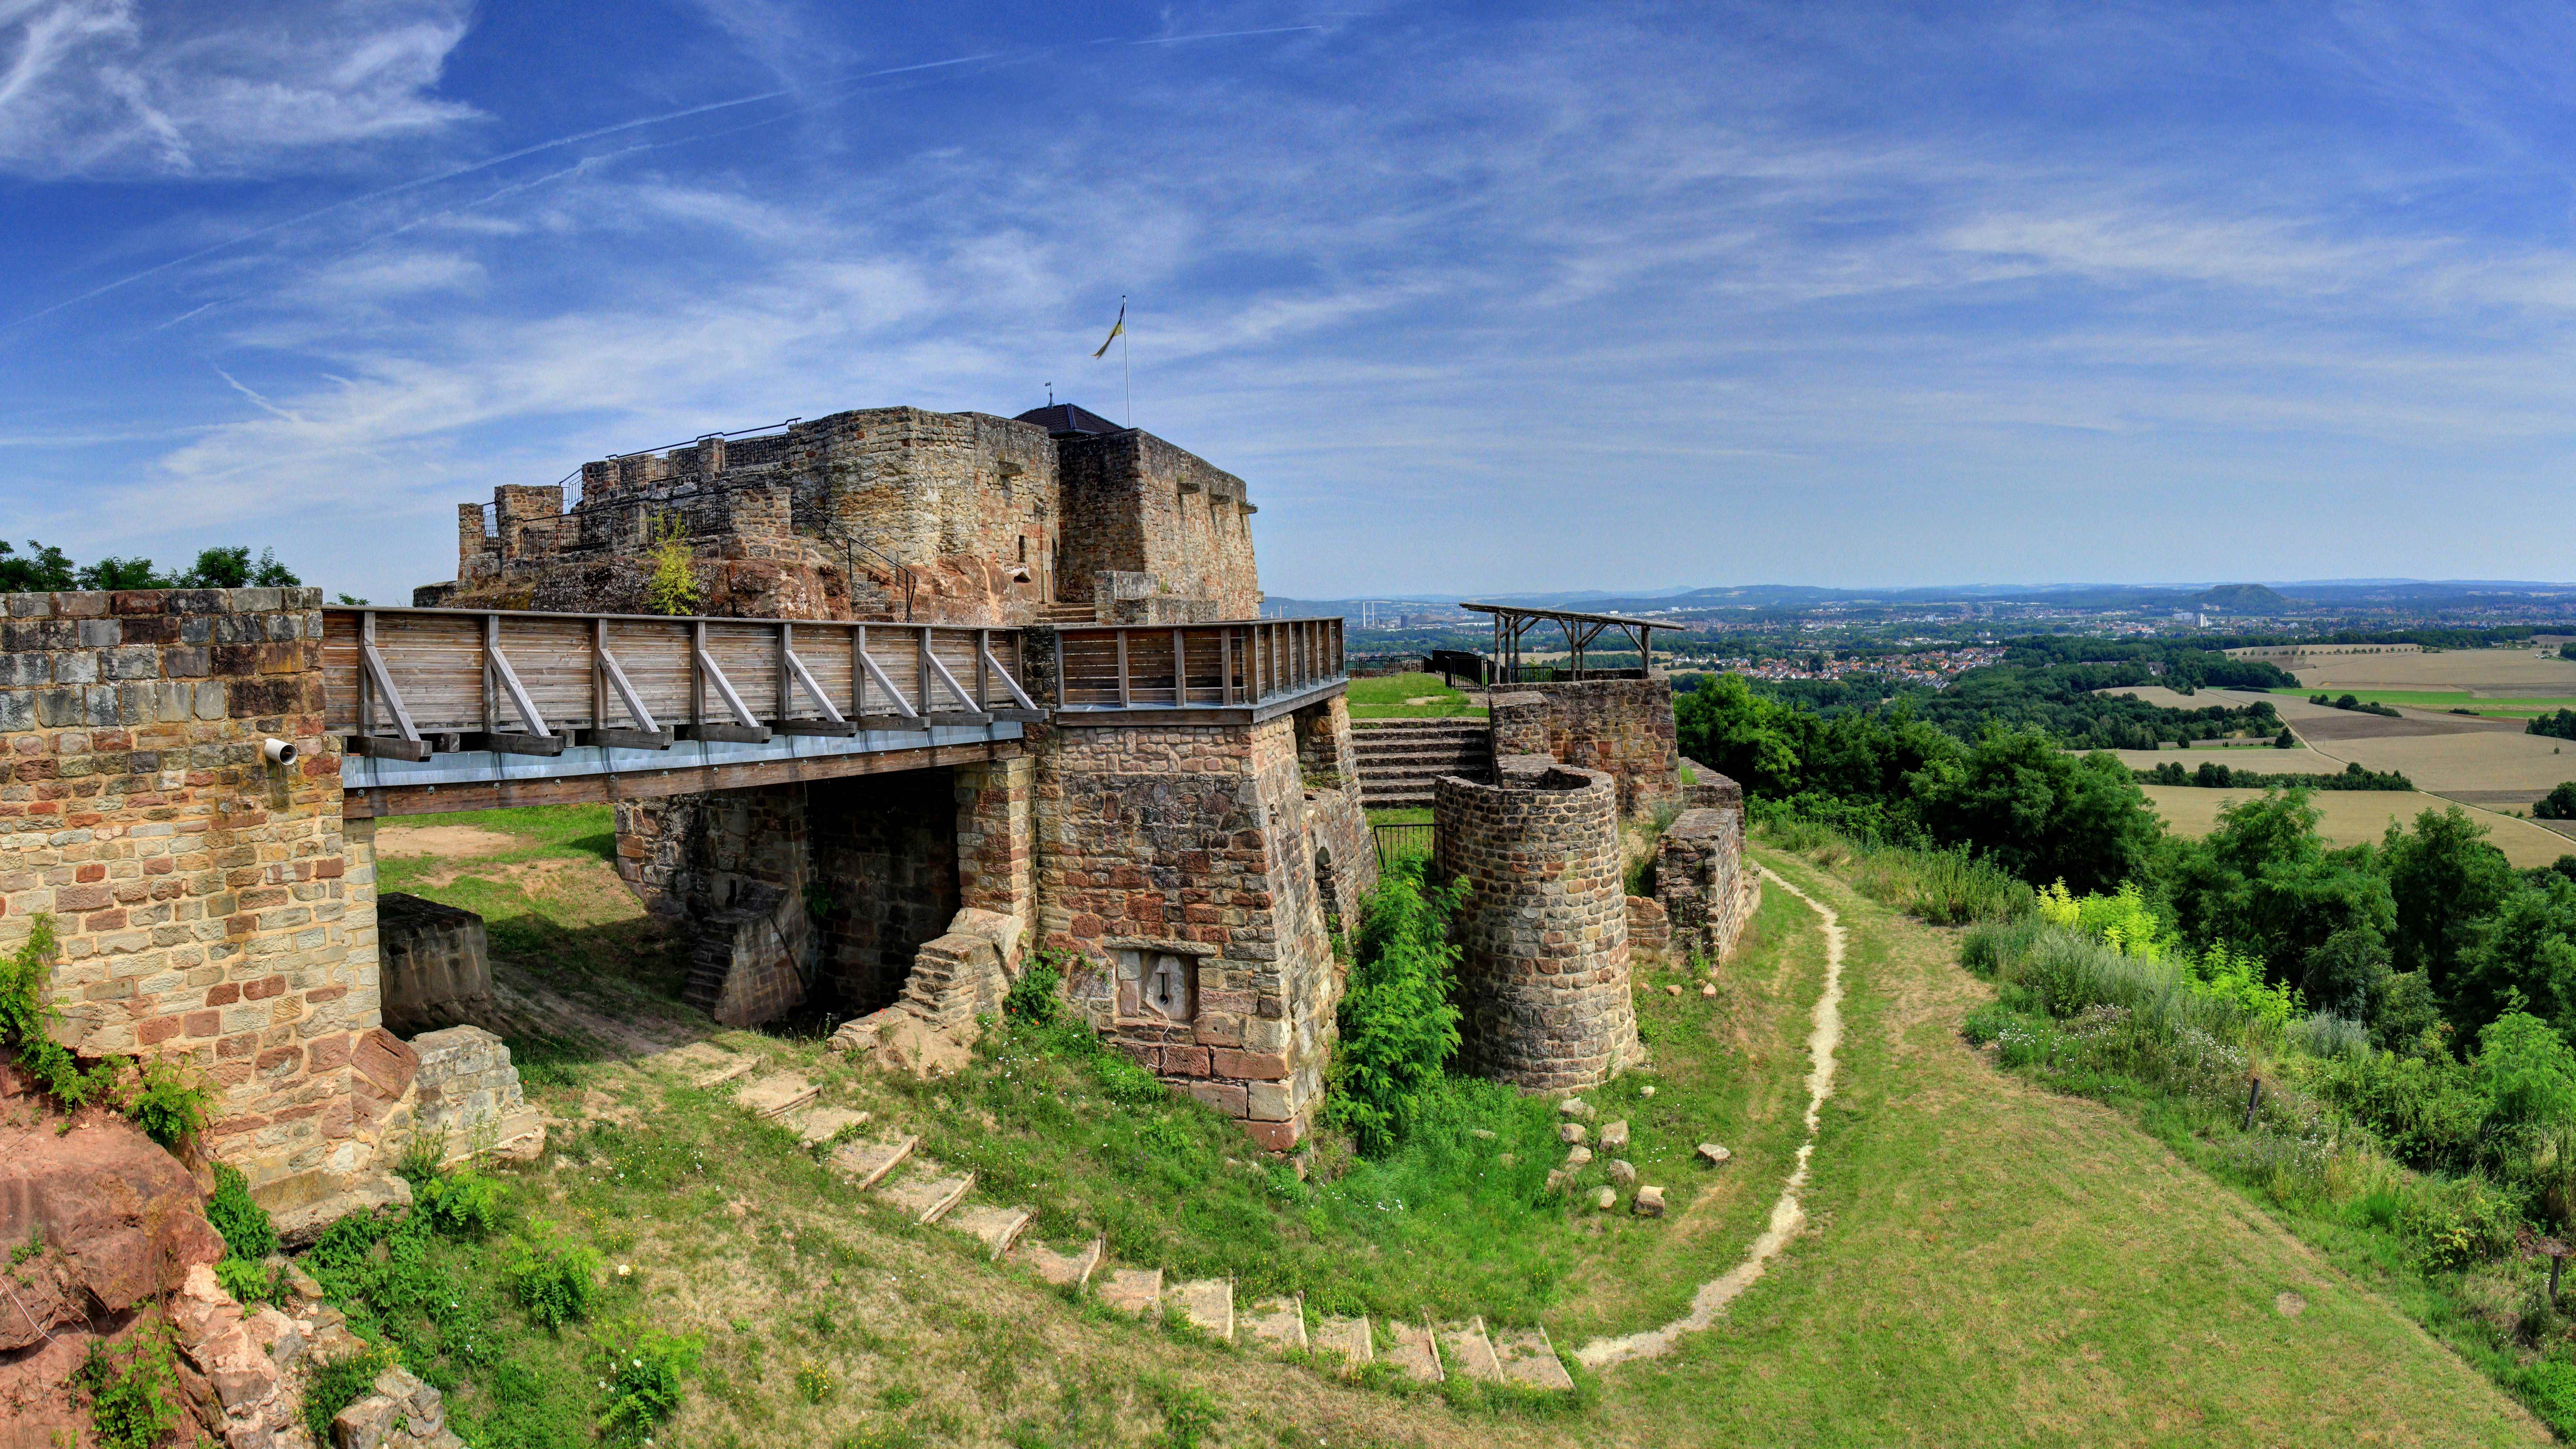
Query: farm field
[
  {"x": 2497, "y": 768},
  {"x": 2358, "y": 817},
  {"x": 2514, "y": 706},
  {"x": 2475, "y": 673},
  {"x": 2262, "y": 758}
]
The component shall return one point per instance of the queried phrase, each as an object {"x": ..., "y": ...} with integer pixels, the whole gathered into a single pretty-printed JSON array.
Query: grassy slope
[
  {"x": 1990, "y": 1263},
  {"x": 2000, "y": 1265}
]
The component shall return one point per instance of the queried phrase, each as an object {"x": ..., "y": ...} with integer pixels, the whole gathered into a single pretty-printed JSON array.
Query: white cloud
[{"x": 112, "y": 87}]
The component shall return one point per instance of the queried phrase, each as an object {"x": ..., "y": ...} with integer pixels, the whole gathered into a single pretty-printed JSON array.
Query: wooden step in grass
[
  {"x": 928, "y": 1192},
  {"x": 1348, "y": 1337},
  {"x": 1528, "y": 1357},
  {"x": 1465, "y": 1349},
  {"x": 1413, "y": 1349},
  {"x": 775, "y": 1095},
  {"x": 1278, "y": 1324},
  {"x": 866, "y": 1164},
  {"x": 1207, "y": 1304},
  {"x": 995, "y": 1227},
  {"x": 818, "y": 1125},
  {"x": 707, "y": 1065},
  {"x": 1063, "y": 1270},
  {"x": 1133, "y": 1290}
]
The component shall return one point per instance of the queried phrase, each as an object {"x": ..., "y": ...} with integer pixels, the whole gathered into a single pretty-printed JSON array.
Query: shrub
[
  {"x": 1398, "y": 1024},
  {"x": 645, "y": 1368},
  {"x": 244, "y": 1224},
  {"x": 1033, "y": 998},
  {"x": 553, "y": 1281},
  {"x": 168, "y": 1107},
  {"x": 337, "y": 1384},
  {"x": 133, "y": 1401},
  {"x": 1945, "y": 887},
  {"x": 674, "y": 587},
  {"x": 251, "y": 1281},
  {"x": 464, "y": 1205},
  {"x": 27, "y": 1018}
]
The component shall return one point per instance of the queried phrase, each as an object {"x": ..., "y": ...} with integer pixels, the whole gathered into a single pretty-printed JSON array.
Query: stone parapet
[
  {"x": 468, "y": 1098},
  {"x": 1544, "y": 968},
  {"x": 435, "y": 963},
  {"x": 1622, "y": 727},
  {"x": 1703, "y": 883},
  {"x": 212, "y": 908}
]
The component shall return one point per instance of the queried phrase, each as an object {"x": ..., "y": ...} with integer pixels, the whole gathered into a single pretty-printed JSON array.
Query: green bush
[
  {"x": 337, "y": 1384},
  {"x": 644, "y": 1370},
  {"x": 166, "y": 1105},
  {"x": 465, "y": 1204},
  {"x": 553, "y": 1281},
  {"x": 251, "y": 1281},
  {"x": 27, "y": 1017},
  {"x": 133, "y": 1400},
  {"x": 247, "y": 1232},
  {"x": 1033, "y": 998},
  {"x": 1398, "y": 1025}
]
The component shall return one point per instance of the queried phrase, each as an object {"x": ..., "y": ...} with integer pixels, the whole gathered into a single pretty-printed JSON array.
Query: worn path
[{"x": 1789, "y": 1214}]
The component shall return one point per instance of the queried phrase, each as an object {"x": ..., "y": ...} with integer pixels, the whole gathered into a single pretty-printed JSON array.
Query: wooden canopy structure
[{"x": 1513, "y": 622}]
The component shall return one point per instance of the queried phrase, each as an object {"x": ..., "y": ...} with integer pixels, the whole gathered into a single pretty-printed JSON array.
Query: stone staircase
[
  {"x": 1062, "y": 614},
  {"x": 895, "y": 1175},
  {"x": 1399, "y": 758}
]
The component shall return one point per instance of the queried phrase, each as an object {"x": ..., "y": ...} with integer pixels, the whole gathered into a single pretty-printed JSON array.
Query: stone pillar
[
  {"x": 1519, "y": 723},
  {"x": 436, "y": 967},
  {"x": 995, "y": 871},
  {"x": 1544, "y": 932},
  {"x": 1701, "y": 879},
  {"x": 201, "y": 896}
]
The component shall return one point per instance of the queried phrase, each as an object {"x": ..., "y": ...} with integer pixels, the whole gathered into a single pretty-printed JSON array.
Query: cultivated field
[
  {"x": 2480, "y": 673},
  {"x": 2237, "y": 756},
  {"x": 2357, "y": 817}
]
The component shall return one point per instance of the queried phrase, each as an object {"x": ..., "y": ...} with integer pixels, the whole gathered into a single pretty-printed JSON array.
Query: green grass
[
  {"x": 2444, "y": 699},
  {"x": 1385, "y": 696},
  {"x": 1420, "y": 816}
]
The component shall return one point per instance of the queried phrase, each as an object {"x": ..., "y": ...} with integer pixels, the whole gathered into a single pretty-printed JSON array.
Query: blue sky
[{"x": 1476, "y": 297}]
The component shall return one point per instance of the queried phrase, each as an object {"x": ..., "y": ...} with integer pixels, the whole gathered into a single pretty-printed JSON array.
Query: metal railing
[
  {"x": 1232, "y": 665},
  {"x": 1402, "y": 842},
  {"x": 405, "y": 683}
]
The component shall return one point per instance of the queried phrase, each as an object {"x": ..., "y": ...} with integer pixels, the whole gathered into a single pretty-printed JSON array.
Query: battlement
[{"x": 876, "y": 513}]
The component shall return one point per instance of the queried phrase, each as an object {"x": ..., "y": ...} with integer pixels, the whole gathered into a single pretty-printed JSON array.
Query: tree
[
  {"x": 2040, "y": 812},
  {"x": 44, "y": 569},
  {"x": 2347, "y": 974},
  {"x": 1750, "y": 740},
  {"x": 2525, "y": 951},
  {"x": 2558, "y": 804},
  {"x": 2263, "y": 881},
  {"x": 231, "y": 568},
  {"x": 2443, "y": 878},
  {"x": 2285, "y": 740},
  {"x": 112, "y": 572}
]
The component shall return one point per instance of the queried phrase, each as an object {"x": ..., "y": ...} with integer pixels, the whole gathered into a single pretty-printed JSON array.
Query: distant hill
[{"x": 2243, "y": 599}]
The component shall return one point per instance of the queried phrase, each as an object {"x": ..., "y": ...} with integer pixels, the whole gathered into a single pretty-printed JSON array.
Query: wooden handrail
[
  {"x": 534, "y": 683},
  {"x": 1150, "y": 666}
]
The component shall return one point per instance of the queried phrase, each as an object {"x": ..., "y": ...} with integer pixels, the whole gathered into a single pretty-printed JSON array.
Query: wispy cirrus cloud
[{"x": 113, "y": 87}]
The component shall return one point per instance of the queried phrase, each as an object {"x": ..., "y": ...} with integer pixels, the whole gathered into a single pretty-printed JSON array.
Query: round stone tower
[{"x": 1544, "y": 931}]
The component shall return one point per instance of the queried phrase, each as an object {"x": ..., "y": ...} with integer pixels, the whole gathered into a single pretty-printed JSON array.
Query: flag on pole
[{"x": 1116, "y": 331}]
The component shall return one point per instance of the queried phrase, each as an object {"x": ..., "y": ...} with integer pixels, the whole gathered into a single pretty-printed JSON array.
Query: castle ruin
[{"x": 956, "y": 690}]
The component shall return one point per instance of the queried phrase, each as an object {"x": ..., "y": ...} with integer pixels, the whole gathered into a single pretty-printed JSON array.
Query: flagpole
[{"x": 1127, "y": 370}]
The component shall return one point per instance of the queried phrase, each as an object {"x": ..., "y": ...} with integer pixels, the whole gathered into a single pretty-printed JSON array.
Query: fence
[
  {"x": 1182, "y": 666},
  {"x": 1401, "y": 842}
]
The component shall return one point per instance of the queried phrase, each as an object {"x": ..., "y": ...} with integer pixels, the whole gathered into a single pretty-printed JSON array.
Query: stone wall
[
  {"x": 1702, "y": 881},
  {"x": 1336, "y": 816},
  {"x": 434, "y": 965},
  {"x": 467, "y": 1096},
  {"x": 1622, "y": 727},
  {"x": 1177, "y": 863},
  {"x": 210, "y": 907},
  {"x": 1543, "y": 973},
  {"x": 1135, "y": 503}
]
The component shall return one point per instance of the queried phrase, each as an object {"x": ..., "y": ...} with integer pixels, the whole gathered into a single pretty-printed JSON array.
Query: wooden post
[
  {"x": 598, "y": 674},
  {"x": 858, "y": 670},
  {"x": 1124, "y": 698},
  {"x": 1180, "y": 670},
  {"x": 1225, "y": 665},
  {"x": 491, "y": 641},
  {"x": 983, "y": 681},
  {"x": 366, "y": 681},
  {"x": 921, "y": 665},
  {"x": 786, "y": 646},
  {"x": 697, "y": 676}
]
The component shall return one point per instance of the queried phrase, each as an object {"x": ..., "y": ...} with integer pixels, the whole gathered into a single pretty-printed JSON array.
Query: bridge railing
[
  {"x": 1231, "y": 665},
  {"x": 406, "y": 683}
]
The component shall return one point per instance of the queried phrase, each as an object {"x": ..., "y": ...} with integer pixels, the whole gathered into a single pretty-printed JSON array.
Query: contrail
[{"x": 449, "y": 175}]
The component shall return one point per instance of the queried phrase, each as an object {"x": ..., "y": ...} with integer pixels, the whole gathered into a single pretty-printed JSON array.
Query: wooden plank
[
  {"x": 385, "y": 747},
  {"x": 384, "y": 801}
]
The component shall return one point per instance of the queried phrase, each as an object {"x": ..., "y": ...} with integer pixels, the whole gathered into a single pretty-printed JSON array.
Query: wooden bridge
[{"x": 448, "y": 709}]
